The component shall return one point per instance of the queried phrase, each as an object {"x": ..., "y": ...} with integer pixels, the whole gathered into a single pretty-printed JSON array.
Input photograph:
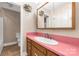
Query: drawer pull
[{"x": 36, "y": 54}]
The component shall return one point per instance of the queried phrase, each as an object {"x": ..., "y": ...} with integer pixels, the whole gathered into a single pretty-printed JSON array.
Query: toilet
[{"x": 18, "y": 39}]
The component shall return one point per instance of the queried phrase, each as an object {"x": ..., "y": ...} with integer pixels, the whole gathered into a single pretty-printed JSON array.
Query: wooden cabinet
[
  {"x": 49, "y": 53},
  {"x": 36, "y": 52},
  {"x": 39, "y": 47},
  {"x": 34, "y": 49},
  {"x": 28, "y": 47}
]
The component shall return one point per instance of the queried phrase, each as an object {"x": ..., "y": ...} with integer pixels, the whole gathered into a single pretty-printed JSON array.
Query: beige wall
[
  {"x": 11, "y": 25},
  {"x": 27, "y": 23},
  {"x": 73, "y": 33}
]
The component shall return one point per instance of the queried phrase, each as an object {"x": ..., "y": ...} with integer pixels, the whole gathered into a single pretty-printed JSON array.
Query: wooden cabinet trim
[{"x": 45, "y": 52}]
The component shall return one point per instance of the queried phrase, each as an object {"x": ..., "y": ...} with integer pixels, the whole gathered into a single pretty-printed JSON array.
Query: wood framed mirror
[{"x": 56, "y": 15}]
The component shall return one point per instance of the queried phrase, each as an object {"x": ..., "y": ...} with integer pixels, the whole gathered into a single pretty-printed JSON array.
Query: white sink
[{"x": 46, "y": 40}]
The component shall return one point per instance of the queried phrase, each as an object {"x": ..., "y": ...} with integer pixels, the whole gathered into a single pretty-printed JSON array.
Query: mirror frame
[{"x": 73, "y": 17}]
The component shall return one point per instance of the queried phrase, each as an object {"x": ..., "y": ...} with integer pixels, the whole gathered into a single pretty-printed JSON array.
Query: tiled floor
[{"x": 13, "y": 50}]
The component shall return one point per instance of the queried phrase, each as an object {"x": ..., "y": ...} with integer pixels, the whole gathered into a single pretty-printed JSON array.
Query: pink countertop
[{"x": 68, "y": 47}]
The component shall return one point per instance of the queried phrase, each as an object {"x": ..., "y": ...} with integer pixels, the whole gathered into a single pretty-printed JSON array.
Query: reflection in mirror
[{"x": 55, "y": 15}]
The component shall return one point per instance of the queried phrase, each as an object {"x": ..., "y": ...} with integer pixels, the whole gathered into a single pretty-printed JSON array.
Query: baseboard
[
  {"x": 11, "y": 43},
  {"x": 23, "y": 54}
]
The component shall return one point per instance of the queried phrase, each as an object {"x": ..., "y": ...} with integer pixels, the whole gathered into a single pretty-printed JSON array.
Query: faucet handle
[{"x": 47, "y": 35}]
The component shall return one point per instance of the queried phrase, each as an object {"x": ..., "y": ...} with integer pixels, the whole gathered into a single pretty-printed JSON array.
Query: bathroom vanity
[
  {"x": 67, "y": 46},
  {"x": 34, "y": 49}
]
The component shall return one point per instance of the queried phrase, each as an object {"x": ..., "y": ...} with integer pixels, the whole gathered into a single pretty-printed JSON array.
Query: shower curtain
[{"x": 1, "y": 34}]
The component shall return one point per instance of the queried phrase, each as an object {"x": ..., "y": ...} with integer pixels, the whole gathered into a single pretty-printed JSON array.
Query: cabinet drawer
[
  {"x": 49, "y": 53},
  {"x": 36, "y": 52},
  {"x": 40, "y": 48}
]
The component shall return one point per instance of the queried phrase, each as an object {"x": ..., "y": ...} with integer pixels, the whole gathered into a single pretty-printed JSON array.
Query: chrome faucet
[{"x": 48, "y": 36}]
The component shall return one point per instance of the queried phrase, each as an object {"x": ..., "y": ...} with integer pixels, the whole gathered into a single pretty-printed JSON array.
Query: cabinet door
[
  {"x": 36, "y": 52},
  {"x": 28, "y": 49},
  {"x": 36, "y": 45}
]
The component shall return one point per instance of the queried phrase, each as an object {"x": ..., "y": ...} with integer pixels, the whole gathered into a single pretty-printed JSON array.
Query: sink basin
[{"x": 46, "y": 40}]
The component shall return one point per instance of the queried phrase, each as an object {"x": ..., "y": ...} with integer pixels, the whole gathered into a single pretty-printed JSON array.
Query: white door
[{"x": 1, "y": 34}]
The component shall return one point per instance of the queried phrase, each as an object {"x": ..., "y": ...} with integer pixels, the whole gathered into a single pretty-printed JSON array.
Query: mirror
[{"x": 56, "y": 15}]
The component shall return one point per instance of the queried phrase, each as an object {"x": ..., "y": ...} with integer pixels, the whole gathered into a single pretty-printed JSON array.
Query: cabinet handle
[{"x": 36, "y": 54}]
